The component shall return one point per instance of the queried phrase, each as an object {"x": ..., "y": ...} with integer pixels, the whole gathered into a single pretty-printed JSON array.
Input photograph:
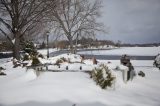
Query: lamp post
[
  {"x": 75, "y": 51},
  {"x": 47, "y": 45}
]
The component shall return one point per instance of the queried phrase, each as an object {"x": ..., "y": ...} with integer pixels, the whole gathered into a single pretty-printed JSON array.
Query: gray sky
[{"x": 132, "y": 21}]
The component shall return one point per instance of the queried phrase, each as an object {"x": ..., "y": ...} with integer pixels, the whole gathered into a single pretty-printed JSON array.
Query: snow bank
[
  {"x": 21, "y": 88},
  {"x": 30, "y": 75},
  {"x": 74, "y": 63},
  {"x": 78, "y": 88}
]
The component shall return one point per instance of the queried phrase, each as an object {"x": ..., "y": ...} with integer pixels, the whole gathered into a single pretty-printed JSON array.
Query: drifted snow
[
  {"x": 24, "y": 88},
  {"x": 87, "y": 64}
]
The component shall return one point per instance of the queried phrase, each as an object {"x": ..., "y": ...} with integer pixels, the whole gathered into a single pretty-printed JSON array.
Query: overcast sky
[{"x": 132, "y": 21}]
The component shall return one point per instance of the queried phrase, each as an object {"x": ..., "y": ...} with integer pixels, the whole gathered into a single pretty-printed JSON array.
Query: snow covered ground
[
  {"x": 139, "y": 51},
  {"x": 21, "y": 88}
]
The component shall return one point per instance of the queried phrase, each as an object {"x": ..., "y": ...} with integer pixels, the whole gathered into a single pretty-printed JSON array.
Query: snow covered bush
[
  {"x": 103, "y": 76},
  {"x": 157, "y": 61},
  {"x": 30, "y": 51},
  {"x": 30, "y": 48},
  {"x": 26, "y": 57},
  {"x": 16, "y": 63},
  {"x": 61, "y": 60},
  {"x": 35, "y": 61}
]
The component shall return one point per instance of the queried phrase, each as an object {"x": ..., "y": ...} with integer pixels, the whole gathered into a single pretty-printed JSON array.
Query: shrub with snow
[
  {"x": 16, "y": 63},
  {"x": 61, "y": 60},
  {"x": 30, "y": 51},
  {"x": 35, "y": 61},
  {"x": 26, "y": 57},
  {"x": 157, "y": 61},
  {"x": 30, "y": 48},
  {"x": 103, "y": 76}
]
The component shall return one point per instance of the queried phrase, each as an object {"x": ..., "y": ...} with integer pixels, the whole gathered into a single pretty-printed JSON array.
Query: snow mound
[
  {"x": 72, "y": 62},
  {"x": 28, "y": 76},
  {"x": 68, "y": 57}
]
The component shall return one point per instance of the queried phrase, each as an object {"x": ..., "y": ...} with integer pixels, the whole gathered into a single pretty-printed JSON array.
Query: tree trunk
[
  {"x": 16, "y": 47},
  {"x": 71, "y": 45}
]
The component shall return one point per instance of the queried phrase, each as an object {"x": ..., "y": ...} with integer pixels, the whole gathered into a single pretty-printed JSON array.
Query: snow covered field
[
  {"x": 21, "y": 88},
  {"x": 139, "y": 51}
]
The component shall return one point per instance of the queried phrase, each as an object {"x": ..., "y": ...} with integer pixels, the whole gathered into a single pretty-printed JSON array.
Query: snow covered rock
[
  {"x": 2, "y": 73},
  {"x": 1, "y": 68},
  {"x": 141, "y": 73}
]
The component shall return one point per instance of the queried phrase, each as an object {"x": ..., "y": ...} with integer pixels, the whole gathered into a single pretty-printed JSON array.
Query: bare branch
[{"x": 6, "y": 36}]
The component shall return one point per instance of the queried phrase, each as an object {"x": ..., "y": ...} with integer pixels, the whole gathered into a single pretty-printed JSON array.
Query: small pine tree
[
  {"x": 30, "y": 48},
  {"x": 103, "y": 77}
]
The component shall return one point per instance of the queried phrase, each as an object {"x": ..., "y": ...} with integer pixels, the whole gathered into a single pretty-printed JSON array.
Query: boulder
[
  {"x": 141, "y": 73},
  {"x": 2, "y": 73}
]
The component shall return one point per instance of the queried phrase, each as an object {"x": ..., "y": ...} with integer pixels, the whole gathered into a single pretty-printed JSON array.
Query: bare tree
[
  {"x": 76, "y": 18},
  {"x": 18, "y": 17}
]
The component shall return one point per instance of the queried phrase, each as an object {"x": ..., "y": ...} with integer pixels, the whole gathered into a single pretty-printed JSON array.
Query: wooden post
[{"x": 94, "y": 60}]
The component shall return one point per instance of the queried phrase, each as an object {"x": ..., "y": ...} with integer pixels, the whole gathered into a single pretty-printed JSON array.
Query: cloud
[{"x": 133, "y": 21}]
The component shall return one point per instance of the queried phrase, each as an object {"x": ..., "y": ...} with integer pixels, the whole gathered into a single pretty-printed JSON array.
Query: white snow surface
[
  {"x": 75, "y": 64},
  {"x": 140, "y": 51},
  {"x": 24, "y": 88}
]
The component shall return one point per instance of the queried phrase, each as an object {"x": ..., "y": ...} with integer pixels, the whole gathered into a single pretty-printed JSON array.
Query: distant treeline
[
  {"x": 80, "y": 43},
  {"x": 83, "y": 43},
  {"x": 141, "y": 45}
]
